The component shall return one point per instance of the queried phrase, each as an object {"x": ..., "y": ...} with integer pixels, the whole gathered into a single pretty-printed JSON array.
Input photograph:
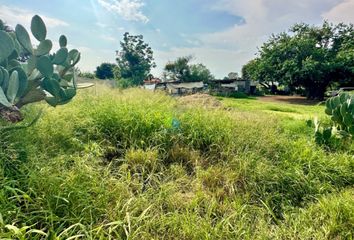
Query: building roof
[
  {"x": 229, "y": 85},
  {"x": 153, "y": 81},
  {"x": 187, "y": 85},
  {"x": 227, "y": 81}
]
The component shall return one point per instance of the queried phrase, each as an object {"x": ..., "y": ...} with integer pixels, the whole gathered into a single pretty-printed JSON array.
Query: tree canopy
[
  {"x": 183, "y": 71},
  {"x": 105, "y": 71},
  {"x": 307, "y": 57},
  {"x": 135, "y": 59},
  {"x": 232, "y": 75}
]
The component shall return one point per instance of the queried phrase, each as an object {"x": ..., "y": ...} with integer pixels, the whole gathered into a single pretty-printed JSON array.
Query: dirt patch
[
  {"x": 201, "y": 100},
  {"x": 289, "y": 99}
]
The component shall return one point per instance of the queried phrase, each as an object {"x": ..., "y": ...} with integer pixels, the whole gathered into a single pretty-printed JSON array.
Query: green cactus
[
  {"x": 44, "y": 76},
  {"x": 341, "y": 110},
  {"x": 323, "y": 134}
]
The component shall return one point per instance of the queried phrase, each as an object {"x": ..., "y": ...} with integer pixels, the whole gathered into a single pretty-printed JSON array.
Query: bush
[{"x": 124, "y": 83}]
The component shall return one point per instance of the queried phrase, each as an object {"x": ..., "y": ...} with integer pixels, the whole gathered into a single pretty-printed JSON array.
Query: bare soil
[
  {"x": 201, "y": 100},
  {"x": 289, "y": 99}
]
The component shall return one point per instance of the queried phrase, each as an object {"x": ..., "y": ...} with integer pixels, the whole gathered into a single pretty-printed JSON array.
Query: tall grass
[{"x": 113, "y": 165}]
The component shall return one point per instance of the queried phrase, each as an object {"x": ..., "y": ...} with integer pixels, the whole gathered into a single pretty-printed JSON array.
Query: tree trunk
[
  {"x": 309, "y": 93},
  {"x": 320, "y": 93},
  {"x": 274, "y": 89},
  {"x": 316, "y": 92},
  {"x": 12, "y": 115}
]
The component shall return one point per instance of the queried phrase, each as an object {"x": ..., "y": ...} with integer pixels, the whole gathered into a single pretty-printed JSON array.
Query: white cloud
[
  {"x": 219, "y": 61},
  {"x": 228, "y": 50},
  {"x": 15, "y": 15},
  {"x": 264, "y": 17},
  {"x": 128, "y": 9},
  {"x": 343, "y": 12}
]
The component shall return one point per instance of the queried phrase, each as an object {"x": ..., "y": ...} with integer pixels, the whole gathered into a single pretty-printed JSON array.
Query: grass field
[{"x": 140, "y": 165}]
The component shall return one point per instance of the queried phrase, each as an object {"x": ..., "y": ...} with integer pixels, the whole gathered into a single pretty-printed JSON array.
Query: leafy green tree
[
  {"x": 200, "y": 73},
  {"x": 179, "y": 69},
  {"x": 249, "y": 70},
  {"x": 232, "y": 75},
  {"x": 116, "y": 73},
  {"x": 308, "y": 57},
  {"x": 105, "y": 71},
  {"x": 182, "y": 70},
  {"x": 261, "y": 71},
  {"x": 135, "y": 60},
  {"x": 345, "y": 57}
]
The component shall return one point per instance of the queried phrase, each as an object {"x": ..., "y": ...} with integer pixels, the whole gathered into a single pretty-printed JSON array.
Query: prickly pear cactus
[
  {"x": 46, "y": 75},
  {"x": 341, "y": 110},
  {"x": 323, "y": 134}
]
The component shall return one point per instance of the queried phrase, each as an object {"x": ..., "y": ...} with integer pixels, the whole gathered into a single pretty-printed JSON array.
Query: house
[
  {"x": 182, "y": 88},
  {"x": 227, "y": 86},
  {"x": 151, "y": 83},
  {"x": 174, "y": 87}
]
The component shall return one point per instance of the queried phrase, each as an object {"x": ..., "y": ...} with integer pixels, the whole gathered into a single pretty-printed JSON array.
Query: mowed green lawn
[{"x": 140, "y": 165}]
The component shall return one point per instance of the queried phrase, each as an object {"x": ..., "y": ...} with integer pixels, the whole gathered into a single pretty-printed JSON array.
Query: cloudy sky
[{"x": 222, "y": 34}]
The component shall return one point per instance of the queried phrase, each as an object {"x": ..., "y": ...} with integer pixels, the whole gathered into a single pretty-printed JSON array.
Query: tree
[
  {"x": 105, "y": 71},
  {"x": 179, "y": 69},
  {"x": 345, "y": 58},
  {"x": 116, "y": 72},
  {"x": 249, "y": 70},
  {"x": 232, "y": 75},
  {"x": 306, "y": 56},
  {"x": 260, "y": 71},
  {"x": 200, "y": 73},
  {"x": 183, "y": 71},
  {"x": 135, "y": 60}
]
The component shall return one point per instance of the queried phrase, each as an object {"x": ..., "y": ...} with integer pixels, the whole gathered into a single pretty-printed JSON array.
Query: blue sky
[{"x": 222, "y": 34}]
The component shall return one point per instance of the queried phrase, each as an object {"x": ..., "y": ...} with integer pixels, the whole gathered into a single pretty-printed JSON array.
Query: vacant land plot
[
  {"x": 289, "y": 99},
  {"x": 142, "y": 165}
]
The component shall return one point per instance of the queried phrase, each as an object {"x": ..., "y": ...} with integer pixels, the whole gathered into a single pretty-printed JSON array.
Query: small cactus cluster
[
  {"x": 341, "y": 110},
  {"x": 323, "y": 134},
  {"x": 43, "y": 76}
]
